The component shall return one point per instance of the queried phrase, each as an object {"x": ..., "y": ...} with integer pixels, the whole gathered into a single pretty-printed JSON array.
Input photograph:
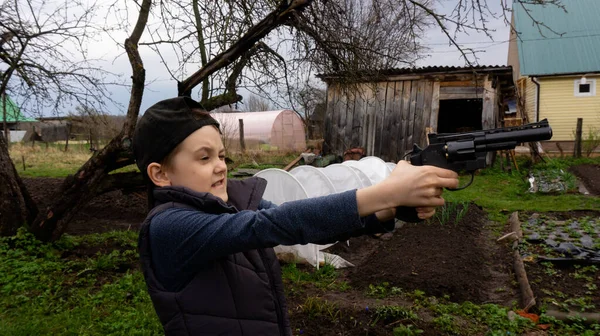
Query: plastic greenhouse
[
  {"x": 307, "y": 181},
  {"x": 268, "y": 130}
]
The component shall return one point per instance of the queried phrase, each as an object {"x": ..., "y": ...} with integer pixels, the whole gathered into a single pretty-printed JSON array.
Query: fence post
[
  {"x": 578, "y": 131},
  {"x": 242, "y": 141},
  {"x": 68, "y": 136}
]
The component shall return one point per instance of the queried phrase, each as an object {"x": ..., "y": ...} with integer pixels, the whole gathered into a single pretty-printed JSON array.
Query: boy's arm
[
  {"x": 197, "y": 237},
  {"x": 371, "y": 225}
]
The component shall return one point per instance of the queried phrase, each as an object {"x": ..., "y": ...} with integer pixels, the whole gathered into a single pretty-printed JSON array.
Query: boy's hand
[
  {"x": 418, "y": 186},
  {"x": 408, "y": 185}
]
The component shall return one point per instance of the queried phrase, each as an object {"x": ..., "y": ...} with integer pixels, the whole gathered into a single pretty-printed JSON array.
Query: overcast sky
[{"x": 161, "y": 86}]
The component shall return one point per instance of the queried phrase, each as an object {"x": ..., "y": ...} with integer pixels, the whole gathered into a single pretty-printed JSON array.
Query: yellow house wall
[
  {"x": 561, "y": 107},
  {"x": 530, "y": 99}
]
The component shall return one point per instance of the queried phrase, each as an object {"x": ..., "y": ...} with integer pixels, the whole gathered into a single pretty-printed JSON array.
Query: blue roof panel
[{"x": 566, "y": 40}]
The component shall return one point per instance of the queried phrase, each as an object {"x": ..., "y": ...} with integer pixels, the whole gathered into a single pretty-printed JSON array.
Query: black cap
[{"x": 164, "y": 126}]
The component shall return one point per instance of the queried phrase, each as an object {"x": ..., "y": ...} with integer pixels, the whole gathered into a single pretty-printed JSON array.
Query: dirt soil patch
[
  {"x": 589, "y": 174},
  {"x": 460, "y": 260},
  {"x": 107, "y": 212}
]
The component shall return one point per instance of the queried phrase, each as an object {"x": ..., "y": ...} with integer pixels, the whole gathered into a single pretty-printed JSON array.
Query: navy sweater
[{"x": 183, "y": 239}]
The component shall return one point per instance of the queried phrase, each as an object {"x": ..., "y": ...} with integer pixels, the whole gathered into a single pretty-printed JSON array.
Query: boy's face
[{"x": 200, "y": 163}]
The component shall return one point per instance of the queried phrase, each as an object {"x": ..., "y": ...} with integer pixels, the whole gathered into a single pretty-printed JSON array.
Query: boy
[{"x": 206, "y": 245}]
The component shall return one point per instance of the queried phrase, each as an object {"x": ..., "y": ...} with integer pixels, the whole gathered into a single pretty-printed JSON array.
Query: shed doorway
[{"x": 460, "y": 115}]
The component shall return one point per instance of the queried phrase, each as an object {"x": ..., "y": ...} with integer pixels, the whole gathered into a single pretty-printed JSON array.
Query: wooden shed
[{"x": 386, "y": 113}]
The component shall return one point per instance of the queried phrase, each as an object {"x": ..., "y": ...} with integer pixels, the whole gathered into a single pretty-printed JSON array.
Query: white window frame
[{"x": 592, "y": 92}]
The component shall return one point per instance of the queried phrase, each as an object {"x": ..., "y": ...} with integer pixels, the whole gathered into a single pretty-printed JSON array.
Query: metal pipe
[{"x": 537, "y": 99}]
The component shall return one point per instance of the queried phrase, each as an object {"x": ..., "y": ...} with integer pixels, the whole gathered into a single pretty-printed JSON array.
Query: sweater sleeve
[
  {"x": 371, "y": 225},
  {"x": 183, "y": 239}
]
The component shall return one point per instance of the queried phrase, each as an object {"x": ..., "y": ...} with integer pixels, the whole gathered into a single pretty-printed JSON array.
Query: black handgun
[{"x": 466, "y": 152}]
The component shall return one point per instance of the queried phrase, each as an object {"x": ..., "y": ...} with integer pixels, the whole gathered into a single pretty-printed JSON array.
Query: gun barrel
[
  {"x": 526, "y": 133},
  {"x": 465, "y": 146},
  {"x": 517, "y": 135}
]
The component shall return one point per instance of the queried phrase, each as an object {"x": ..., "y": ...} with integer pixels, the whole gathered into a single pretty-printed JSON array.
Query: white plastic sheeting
[
  {"x": 282, "y": 129},
  {"x": 307, "y": 181},
  {"x": 375, "y": 168},
  {"x": 15, "y": 136}
]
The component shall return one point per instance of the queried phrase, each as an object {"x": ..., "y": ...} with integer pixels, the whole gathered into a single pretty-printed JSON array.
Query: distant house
[
  {"x": 557, "y": 65},
  {"x": 15, "y": 120},
  {"x": 385, "y": 113}
]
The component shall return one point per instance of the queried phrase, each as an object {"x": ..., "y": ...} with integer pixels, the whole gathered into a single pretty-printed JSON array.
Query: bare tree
[
  {"x": 101, "y": 124},
  {"x": 307, "y": 98},
  {"x": 38, "y": 41},
  {"x": 256, "y": 103},
  {"x": 42, "y": 49}
]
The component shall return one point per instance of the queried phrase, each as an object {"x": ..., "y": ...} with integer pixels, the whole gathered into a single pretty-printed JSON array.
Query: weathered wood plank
[
  {"x": 371, "y": 98},
  {"x": 372, "y": 132},
  {"x": 411, "y": 115},
  {"x": 434, "y": 77},
  {"x": 365, "y": 131},
  {"x": 328, "y": 136},
  {"x": 449, "y": 96},
  {"x": 380, "y": 103},
  {"x": 335, "y": 119},
  {"x": 388, "y": 136},
  {"x": 357, "y": 117},
  {"x": 365, "y": 94},
  {"x": 489, "y": 103},
  {"x": 457, "y": 83},
  {"x": 351, "y": 96},
  {"x": 406, "y": 94},
  {"x": 461, "y": 90},
  {"x": 487, "y": 113},
  {"x": 419, "y": 113},
  {"x": 397, "y": 136},
  {"x": 426, "y": 112},
  {"x": 435, "y": 107},
  {"x": 343, "y": 110}
]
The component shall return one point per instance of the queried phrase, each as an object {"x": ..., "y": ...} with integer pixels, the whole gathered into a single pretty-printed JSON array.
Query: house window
[{"x": 585, "y": 90}]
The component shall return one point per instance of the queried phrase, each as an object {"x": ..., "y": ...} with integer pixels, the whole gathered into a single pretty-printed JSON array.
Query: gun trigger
[{"x": 416, "y": 149}]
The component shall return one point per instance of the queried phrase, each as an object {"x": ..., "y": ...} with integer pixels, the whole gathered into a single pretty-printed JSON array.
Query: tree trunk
[
  {"x": 4, "y": 124},
  {"x": 13, "y": 209},
  {"x": 79, "y": 189}
]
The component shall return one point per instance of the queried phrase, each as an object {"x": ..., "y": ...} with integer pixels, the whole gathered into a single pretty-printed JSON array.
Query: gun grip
[{"x": 407, "y": 214}]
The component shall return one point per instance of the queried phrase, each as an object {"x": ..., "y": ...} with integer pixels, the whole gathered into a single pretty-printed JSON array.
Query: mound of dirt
[
  {"x": 107, "y": 212},
  {"x": 460, "y": 260},
  {"x": 589, "y": 174}
]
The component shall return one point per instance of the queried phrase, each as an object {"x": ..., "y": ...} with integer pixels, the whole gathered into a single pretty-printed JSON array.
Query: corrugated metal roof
[
  {"x": 576, "y": 47},
  {"x": 13, "y": 113},
  {"x": 420, "y": 70}
]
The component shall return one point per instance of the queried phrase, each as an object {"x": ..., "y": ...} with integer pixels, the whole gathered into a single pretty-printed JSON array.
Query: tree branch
[{"x": 254, "y": 34}]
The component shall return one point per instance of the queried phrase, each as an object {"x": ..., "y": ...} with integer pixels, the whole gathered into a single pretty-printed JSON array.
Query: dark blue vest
[{"x": 240, "y": 294}]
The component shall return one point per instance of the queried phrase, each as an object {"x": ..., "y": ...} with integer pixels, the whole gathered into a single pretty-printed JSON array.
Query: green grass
[
  {"x": 43, "y": 293},
  {"x": 53, "y": 161},
  {"x": 501, "y": 193},
  {"x": 325, "y": 278},
  {"x": 39, "y": 161}
]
